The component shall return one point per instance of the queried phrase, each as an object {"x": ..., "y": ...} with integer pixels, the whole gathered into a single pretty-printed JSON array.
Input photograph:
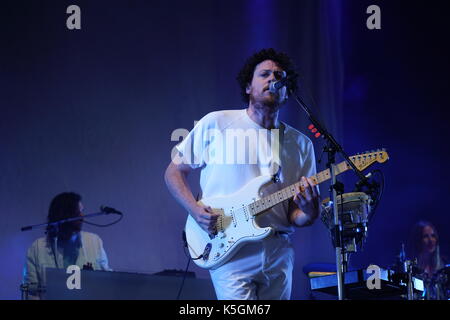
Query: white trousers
[{"x": 260, "y": 270}]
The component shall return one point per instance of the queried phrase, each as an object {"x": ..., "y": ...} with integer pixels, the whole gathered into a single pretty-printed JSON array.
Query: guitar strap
[{"x": 276, "y": 177}]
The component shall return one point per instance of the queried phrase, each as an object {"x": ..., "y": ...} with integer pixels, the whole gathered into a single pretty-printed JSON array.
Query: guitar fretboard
[{"x": 269, "y": 201}]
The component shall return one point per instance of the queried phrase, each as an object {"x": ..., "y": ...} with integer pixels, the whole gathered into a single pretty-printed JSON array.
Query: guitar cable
[
  {"x": 185, "y": 246},
  {"x": 380, "y": 192}
]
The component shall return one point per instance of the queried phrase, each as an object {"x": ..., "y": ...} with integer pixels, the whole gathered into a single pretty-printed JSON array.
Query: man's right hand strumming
[
  {"x": 176, "y": 181},
  {"x": 205, "y": 217}
]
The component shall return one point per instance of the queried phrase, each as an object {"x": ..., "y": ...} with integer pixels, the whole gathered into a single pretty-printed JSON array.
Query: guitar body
[{"x": 236, "y": 226}]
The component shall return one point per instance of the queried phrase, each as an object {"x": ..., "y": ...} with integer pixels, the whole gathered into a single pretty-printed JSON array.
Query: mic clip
[{"x": 363, "y": 182}]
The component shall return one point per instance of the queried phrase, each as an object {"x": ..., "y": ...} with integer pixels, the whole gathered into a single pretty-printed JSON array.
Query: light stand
[{"x": 332, "y": 148}]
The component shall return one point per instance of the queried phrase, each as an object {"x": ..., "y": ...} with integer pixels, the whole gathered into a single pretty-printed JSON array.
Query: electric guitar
[{"x": 236, "y": 224}]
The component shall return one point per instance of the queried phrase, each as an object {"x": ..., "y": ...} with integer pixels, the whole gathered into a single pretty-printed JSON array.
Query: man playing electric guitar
[{"x": 262, "y": 267}]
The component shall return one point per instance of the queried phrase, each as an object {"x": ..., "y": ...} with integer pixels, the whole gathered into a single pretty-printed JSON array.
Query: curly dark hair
[{"x": 245, "y": 75}]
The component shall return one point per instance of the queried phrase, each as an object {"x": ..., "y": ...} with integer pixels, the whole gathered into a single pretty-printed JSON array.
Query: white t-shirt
[{"x": 231, "y": 149}]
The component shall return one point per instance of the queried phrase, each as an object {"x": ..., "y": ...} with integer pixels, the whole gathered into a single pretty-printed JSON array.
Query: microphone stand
[
  {"x": 332, "y": 148},
  {"x": 57, "y": 223}
]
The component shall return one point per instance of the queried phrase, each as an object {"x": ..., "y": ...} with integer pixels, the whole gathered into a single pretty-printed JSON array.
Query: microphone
[
  {"x": 277, "y": 85},
  {"x": 109, "y": 210}
]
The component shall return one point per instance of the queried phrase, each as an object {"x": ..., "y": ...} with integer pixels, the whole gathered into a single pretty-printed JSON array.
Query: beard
[{"x": 265, "y": 102}]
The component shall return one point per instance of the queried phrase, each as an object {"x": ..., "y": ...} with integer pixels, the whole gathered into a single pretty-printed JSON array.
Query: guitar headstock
[{"x": 364, "y": 160}]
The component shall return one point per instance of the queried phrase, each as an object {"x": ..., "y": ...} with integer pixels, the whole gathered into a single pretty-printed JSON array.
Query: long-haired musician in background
[
  {"x": 261, "y": 269},
  {"x": 423, "y": 244},
  {"x": 63, "y": 246}
]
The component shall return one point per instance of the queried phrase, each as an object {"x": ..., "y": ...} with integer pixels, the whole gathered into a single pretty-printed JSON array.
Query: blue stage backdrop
[{"x": 93, "y": 111}]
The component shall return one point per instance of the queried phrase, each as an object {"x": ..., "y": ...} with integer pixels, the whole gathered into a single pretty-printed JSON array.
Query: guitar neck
[{"x": 269, "y": 201}]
